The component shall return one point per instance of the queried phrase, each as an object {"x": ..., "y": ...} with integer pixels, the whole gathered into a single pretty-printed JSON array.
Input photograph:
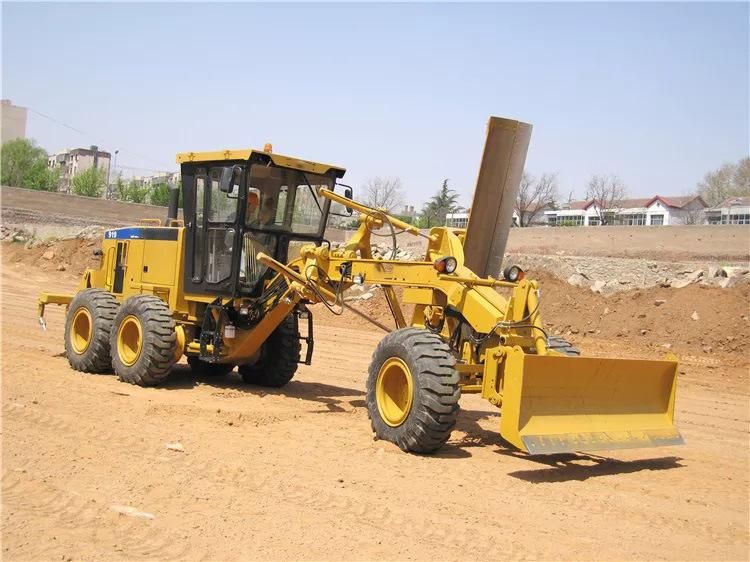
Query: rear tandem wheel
[
  {"x": 87, "y": 330},
  {"x": 143, "y": 341}
]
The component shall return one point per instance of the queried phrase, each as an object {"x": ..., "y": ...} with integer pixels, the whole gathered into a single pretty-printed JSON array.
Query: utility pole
[{"x": 111, "y": 169}]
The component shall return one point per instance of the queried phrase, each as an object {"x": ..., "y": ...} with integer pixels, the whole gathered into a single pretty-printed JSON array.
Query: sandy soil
[{"x": 296, "y": 475}]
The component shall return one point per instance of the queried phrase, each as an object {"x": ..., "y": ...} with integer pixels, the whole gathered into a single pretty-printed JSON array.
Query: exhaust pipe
[{"x": 174, "y": 199}]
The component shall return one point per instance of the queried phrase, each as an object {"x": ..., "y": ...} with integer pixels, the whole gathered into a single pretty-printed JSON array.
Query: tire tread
[
  {"x": 159, "y": 340},
  {"x": 102, "y": 306},
  {"x": 279, "y": 358},
  {"x": 436, "y": 392}
]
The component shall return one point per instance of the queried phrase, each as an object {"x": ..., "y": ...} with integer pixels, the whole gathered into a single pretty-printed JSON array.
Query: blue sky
[{"x": 656, "y": 93}]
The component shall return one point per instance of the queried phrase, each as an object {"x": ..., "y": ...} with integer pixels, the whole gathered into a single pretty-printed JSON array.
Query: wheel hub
[
  {"x": 129, "y": 340},
  {"x": 394, "y": 391},
  {"x": 82, "y": 328}
]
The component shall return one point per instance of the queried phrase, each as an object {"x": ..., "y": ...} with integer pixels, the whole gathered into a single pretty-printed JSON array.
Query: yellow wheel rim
[
  {"x": 394, "y": 391},
  {"x": 81, "y": 330},
  {"x": 129, "y": 340}
]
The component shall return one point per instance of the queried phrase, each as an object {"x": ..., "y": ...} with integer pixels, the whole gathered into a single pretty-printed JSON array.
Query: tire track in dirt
[
  {"x": 381, "y": 517},
  {"x": 69, "y": 510},
  {"x": 610, "y": 505}
]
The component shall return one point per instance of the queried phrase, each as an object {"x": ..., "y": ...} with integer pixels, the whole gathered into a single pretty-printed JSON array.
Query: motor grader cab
[
  {"x": 236, "y": 207},
  {"x": 229, "y": 285}
]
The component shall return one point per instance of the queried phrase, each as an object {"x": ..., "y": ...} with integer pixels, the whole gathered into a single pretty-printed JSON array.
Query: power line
[
  {"x": 90, "y": 136},
  {"x": 124, "y": 167}
]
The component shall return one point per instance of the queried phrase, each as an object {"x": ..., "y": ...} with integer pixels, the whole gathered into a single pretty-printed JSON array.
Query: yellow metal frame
[{"x": 245, "y": 153}]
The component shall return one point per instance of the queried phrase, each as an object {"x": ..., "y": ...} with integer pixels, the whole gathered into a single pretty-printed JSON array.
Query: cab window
[
  {"x": 222, "y": 207},
  {"x": 287, "y": 200}
]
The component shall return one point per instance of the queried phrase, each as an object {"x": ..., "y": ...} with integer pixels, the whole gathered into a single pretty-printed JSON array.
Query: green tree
[
  {"x": 159, "y": 194},
  {"x": 729, "y": 180},
  {"x": 24, "y": 164},
  {"x": 406, "y": 218},
  {"x": 443, "y": 202},
  {"x": 40, "y": 176},
  {"x": 90, "y": 183},
  {"x": 131, "y": 191}
]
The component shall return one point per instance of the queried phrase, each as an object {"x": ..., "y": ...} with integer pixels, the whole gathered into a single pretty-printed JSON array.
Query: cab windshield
[{"x": 281, "y": 199}]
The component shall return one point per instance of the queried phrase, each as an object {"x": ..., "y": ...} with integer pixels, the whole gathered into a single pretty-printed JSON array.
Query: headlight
[
  {"x": 513, "y": 273},
  {"x": 447, "y": 264}
]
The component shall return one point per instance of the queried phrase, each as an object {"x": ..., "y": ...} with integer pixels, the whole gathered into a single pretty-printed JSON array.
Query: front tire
[
  {"x": 561, "y": 345},
  {"x": 143, "y": 341},
  {"x": 87, "y": 328},
  {"x": 412, "y": 390},
  {"x": 279, "y": 357}
]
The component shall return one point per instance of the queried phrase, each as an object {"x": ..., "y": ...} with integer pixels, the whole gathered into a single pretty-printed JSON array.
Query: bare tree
[
  {"x": 606, "y": 192},
  {"x": 534, "y": 195},
  {"x": 693, "y": 214},
  {"x": 383, "y": 193},
  {"x": 729, "y": 180}
]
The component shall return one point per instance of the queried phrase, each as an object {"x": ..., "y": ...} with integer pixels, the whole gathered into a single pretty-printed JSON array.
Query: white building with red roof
[
  {"x": 658, "y": 210},
  {"x": 734, "y": 210}
]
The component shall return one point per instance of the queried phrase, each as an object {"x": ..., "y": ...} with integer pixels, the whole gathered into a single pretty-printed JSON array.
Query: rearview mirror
[
  {"x": 225, "y": 182},
  {"x": 337, "y": 208},
  {"x": 229, "y": 182}
]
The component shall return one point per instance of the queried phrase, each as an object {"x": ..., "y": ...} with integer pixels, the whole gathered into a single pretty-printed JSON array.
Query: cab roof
[{"x": 244, "y": 154}]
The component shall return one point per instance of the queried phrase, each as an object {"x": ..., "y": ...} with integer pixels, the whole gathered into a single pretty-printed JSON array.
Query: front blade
[{"x": 555, "y": 404}]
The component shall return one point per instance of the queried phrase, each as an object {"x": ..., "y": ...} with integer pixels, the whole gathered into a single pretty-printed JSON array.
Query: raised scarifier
[
  {"x": 556, "y": 343},
  {"x": 143, "y": 341},
  {"x": 419, "y": 416},
  {"x": 87, "y": 328},
  {"x": 279, "y": 357},
  {"x": 205, "y": 369}
]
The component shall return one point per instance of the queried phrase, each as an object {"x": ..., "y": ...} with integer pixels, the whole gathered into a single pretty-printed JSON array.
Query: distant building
[
  {"x": 652, "y": 211},
  {"x": 409, "y": 211},
  {"x": 13, "y": 119},
  {"x": 73, "y": 161},
  {"x": 461, "y": 220},
  {"x": 166, "y": 177},
  {"x": 536, "y": 212},
  {"x": 735, "y": 210},
  {"x": 457, "y": 220}
]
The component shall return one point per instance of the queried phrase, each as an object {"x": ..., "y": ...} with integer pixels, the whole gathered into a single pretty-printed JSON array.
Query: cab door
[{"x": 212, "y": 247}]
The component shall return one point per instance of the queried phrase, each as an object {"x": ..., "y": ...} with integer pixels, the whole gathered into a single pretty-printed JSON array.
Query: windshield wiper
[{"x": 312, "y": 191}]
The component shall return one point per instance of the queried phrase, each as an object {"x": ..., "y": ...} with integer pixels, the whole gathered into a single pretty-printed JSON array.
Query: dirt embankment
[
  {"x": 696, "y": 320},
  {"x": 53, "y": 212},
  {"x": 73, "y": 255}
]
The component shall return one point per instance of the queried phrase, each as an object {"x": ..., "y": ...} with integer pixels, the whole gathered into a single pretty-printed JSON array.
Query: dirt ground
[{"x": 295, "y": 474}]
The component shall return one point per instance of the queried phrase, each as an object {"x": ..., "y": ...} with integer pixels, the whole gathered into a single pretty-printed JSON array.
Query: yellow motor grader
[{"x": 222, "y": 288}]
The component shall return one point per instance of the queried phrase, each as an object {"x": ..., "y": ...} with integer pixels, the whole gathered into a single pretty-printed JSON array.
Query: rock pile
[
  {"x": 384, "y": 251},
  {"x": 15, "y": 234},
  {"x": 612, "y": 275},
  {"x": 32, "y": 240}
]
